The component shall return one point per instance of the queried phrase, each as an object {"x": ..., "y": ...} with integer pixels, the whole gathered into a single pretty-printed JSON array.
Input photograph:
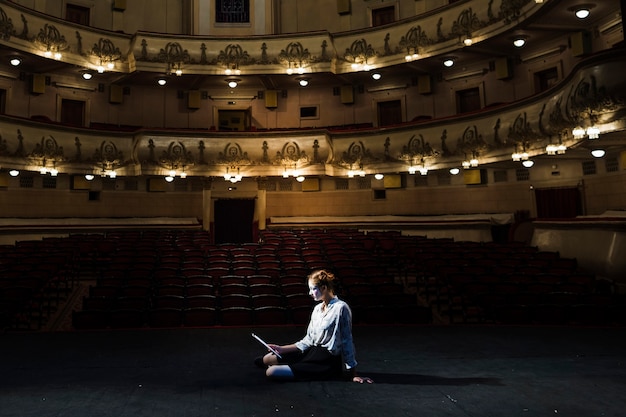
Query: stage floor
[{"x": 419, "y": 371}]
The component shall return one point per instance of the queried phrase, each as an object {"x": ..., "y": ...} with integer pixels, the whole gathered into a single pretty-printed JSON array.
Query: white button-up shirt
[{"x": 331, "y": 328}]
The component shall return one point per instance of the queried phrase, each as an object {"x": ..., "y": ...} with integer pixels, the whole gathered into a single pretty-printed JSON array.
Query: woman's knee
[
  {"x": 279, "y": 372},
  {"x": 270, "y": 359}
]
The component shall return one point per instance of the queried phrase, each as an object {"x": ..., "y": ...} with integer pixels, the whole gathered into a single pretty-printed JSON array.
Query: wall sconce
[
  {"x": 89, "y": 177},
  {"x": 379, "y": 176},
  {"x": 232, "y": 71},
  {"x": 169, "y": 178},
  {"x": 592, "y": 132},
  {"x": 528, "y": 163},
  {"x": 376, "y": 76},
  {"x": 87, "y": 75},
  {"x": 467, "y": 41},
  {"x": 161, "y": 81},
  {"x": 354, "y": 172},
  {"x": 300, "y": 178},
  {"x": 454, "y": 171},
  {"x": 228, "y": 176},
  {"x": 412, "y": 55},
  {"x": 554, "y": 149},
  {"x": 14, "y": 172},
  {"x": 175, "y": 68},
  {"x": 472, "y": 162},
  {"x": 598, "y": 153}
]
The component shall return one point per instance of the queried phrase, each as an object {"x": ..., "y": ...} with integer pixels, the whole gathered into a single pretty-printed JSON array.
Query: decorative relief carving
[
  {"x": 233, "y": 155},
  {"x": 6, "y": 26},
  {"x": 471, "y": 143},
  {"x": 176, "y": 156},
  {"x": 291, "y": 156}
]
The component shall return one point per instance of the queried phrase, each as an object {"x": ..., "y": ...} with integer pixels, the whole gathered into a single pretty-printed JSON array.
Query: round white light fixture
[
  {"x": 169, "y": 178},
  {"x": 528, "y": 163},
  {"x": 14, "y": 172},
  {"x": 233, "y": 83},
  {"x": 87, "y": 75},
  {"x": 377, "y": 76},
  {"x": 454, "y": 171},
  {"x": 161, "y": 81},
  {"x": 448, "y": 62},
  {"x": 519, "y": 42},
  {"x": 598, "y": 153},
  {"x": 379, "y": 176},
  {"x": 303, "y": 82},
  {"x": 89, "y": 177},
  {"x": 300, "y": 178},
  {"x": 582, "y": 13},
  {"x": 15, "y": 61}
]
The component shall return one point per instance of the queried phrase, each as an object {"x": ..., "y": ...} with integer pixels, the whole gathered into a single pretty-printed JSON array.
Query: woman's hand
[
  {"x": 276, "y": 348},
  {"x": 362, "y": 379}
]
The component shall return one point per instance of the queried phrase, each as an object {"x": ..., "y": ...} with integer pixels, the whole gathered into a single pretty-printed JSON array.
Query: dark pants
[{"x": 314, "y": 363}]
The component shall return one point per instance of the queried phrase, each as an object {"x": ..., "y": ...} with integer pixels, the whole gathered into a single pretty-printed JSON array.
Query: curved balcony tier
[{"x": 590, "y": 96}]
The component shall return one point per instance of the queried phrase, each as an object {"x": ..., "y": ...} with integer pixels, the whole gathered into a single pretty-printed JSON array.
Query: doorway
[
  {"x": 389, "y": 112},
  {"x": 558, "y": 203},
  {"x": 234, "y": 120},
  {"x": 73, "y": 112},
  {"x": 234, "y": 220}
]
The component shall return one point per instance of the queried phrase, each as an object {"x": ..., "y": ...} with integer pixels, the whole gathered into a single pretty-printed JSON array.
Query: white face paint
[{"x": 315, "y": 292}]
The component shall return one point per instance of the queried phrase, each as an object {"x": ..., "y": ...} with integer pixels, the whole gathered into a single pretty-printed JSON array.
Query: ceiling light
[
  {"x": 14, "y": 172},
  {"x": 467, "y": 41},
  {"x": 169, "y": 178},
  {"x": 15, "y": 61},
  {"x": 454, "y": 171},
  {"x": 89, "y": 177},
  {"x": 300, "y": 178},
  {"x": 448, "y": 62},
  {"x": 377, "y": 76},
  {"x": 519, "y": 42},
  {"x": 87, "y": 75},
  {"x": 582, "y": 13},
  {"x": 303, "y": 82},
  {"x": 161, "y": 81},
  {"x": 598, "y": 153},
  {"x": 379, "y": 176},
  {"x": 233, "y": 82},
  {"x": 528, "y": 163}
]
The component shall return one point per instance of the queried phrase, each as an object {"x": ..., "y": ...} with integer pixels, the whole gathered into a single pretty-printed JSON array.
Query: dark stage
[{"x": 419, "y": 371}]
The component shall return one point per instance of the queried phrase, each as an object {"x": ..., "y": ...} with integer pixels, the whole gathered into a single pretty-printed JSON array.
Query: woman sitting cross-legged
[{"x": 327, "y": 345}]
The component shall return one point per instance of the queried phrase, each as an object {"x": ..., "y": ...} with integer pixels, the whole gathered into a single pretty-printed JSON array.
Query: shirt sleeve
[
  {"x": 307, "y": 341},
  {"x": 347, "y": 344}
]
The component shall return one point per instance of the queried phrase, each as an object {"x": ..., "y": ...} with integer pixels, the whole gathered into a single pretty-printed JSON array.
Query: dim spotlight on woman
[{"x": 327, "y": 349}]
